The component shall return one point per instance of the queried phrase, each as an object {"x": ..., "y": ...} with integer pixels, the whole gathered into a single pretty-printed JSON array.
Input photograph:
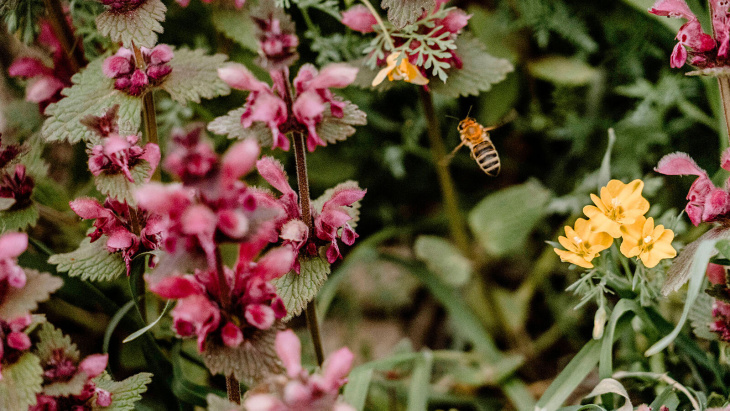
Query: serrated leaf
[
  {"x": 353, "y": 211},
  {"x": 679, "y": 271},
  {"x": 563, "y": 70},
  {"x": 124, "y": 393},
  {"x": 479, "y": 72},
  {"x": 216, "y": 403},
  {"x": 139, "y": 26},
  {"x": 402, "y": 12},
  {"x": 297, "y": 290},
  {"x": 700, "y": 317},
  {"x": 6, "y": 203},
  {"x": 194, "y": 76},
  {"x": 92, "y": 94},
  {"x": 230, "y": 125},
  {"x": 74, "y": 386},
  {"x": 119, "y": 187},
  {"x": 444, "y": 259},
  {"x": 50, "y": 339},
  {"x": 91, "y": 261},
  {"x": 19, "y": 301},
  {"x": 251, "y": 362},
  {"x": 237, "y": 26},
  {"x": 333, "y": 129},
  {"x": 503, "y": 221},
  {"x": 18, "y": 220},
  {"x": 20, "y": 383}
]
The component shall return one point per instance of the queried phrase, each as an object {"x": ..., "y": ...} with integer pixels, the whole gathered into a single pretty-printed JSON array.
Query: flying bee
[{"x": 476, "y": 137}]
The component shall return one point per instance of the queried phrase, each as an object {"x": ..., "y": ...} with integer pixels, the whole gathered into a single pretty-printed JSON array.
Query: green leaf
[
  {"x": 562, "y": 70},
  {"x": 420, "y": 386},
  {"x": 444, "y": 259},
  {"x": 570, "y": 377},
  {"x": 704, "y": 251},
  {"x": 356, "y": 390},
  {"x": 149, "y": 326},
  {"x": 333, "y": 129},
  {"x": 503, "y": 221},
  {"x": 237, "y": 26},
  {"x": 139, "y": 26},
  {"x": 251, "y": 362},
  {"x": 604, "y": 173},
  {"x": 119, "y": 187},
  {"x": 479, "y": 72},
  {"x": 216, "y": 403},
  {"x": 194, "y": 76},
  {"x": 20, "y": 383},
  {"x": 700, "y": 317},
  {"x": 124, "y": 393},
  {"x": 113, "y": 323},
  {"x": 605, "y": 367},
  {"x": 185, "y": 390},
  {"x": 297, "y": 290},
  {"x": 402, "y": 12},
  {"x": 230, "y": 125},
  {"x": 6, "y": 203},
  {"x": 50, "y": 339},
  {"x": 680, "y": 270},
  {"x": 92, "y": 94},
  {"x": 19, "y": 301},
  {"x": 18, "y": 220},
  {"x": 609, "y": 385},
  {"x": 74, "y": 386},
  {"x": 91, "y": 261}
]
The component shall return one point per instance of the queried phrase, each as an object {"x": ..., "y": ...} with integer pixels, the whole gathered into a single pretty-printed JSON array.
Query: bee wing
[
  {"x": 507, "y": 119},
  {"x": 447, "y": 158}
]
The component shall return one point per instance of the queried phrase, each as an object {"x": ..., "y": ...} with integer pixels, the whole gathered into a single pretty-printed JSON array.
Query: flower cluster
[
  {"x": 122, "y": 6},
  {"x": 276, "y": 37},
  {"x": 284, "y": 113},
  {"x": 412, "y": 51},
  {"x": 211, "y": 206},
  {"x": 114, "y": 219},
  {"x": 13, "y": 341},
  {"x": 134, "y": 79},
  {"x": 47, "y": 81},
  {"x": 298, "y": 390},
  {"x": 721, "y": 316},
  {"x": 618, "y": 212},
  {"x": 330, "y": 223},
  {"x": 16, "y": 186},
  {"x": 61, "y": 367},
  {"x": 704, "y": 51},
  {"x": 251, "y": 302},
  {"x": 117, "y": 154},
  {"x": 707, "y": 203}
]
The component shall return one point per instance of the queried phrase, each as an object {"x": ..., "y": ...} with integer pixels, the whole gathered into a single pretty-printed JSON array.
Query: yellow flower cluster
[{"x": 618, "y": 212}]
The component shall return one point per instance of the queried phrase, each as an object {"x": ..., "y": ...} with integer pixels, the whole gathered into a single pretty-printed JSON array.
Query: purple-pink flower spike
[
  {"x": 359, "y": 18},
  {"x": 133, "y": 80},
  {"x": 13, "y": 341}
]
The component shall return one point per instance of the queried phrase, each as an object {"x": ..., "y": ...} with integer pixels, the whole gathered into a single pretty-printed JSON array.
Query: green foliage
[
  {"x": 91, "y": 261},
  {"x": 125, "y": 393},
  {"x": 250, "y": 362},
  {"x": 700, "y": 317},
  {"x": 139, "y": 26},
  {"x": 336, "y": 47},
  {"x": 563, "y": 70},
  {"x": 503, "y": 221},
  {"x": 236, "y": 25},
  {"x": 50, "y": 339},
  {"x": 18, "y": 219},
  {"x": 297, "y": 290},
  {"x": 91, "y": 94},
  {"x": 195, "y": 76},
  {"x": 19, "y": 301},
  {"x": 230, "y": 125},
  {"x": 479, "y": 72},
  {"x": 554, "y": 16},
  {"x": 119, "y": 187},
  {"x": 333, "y": 129},
  {"x": 444, "y": 259},
  {"x": 402, "y": 12},
  {"x": 20, "y": 17},
  {"x": 20, "y": 383}
]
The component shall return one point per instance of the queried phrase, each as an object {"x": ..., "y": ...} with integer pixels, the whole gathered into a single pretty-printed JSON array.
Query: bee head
[{"x": 463, "y": 124}]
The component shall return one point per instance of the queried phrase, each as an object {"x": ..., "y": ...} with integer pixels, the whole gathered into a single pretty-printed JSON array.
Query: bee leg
[
  {"x": 471, "y": 154},
  {"x": 447, "y": 159}
]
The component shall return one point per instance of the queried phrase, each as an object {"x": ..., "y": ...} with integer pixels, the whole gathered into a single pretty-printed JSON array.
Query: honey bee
[{"x": 476, "y": 137}]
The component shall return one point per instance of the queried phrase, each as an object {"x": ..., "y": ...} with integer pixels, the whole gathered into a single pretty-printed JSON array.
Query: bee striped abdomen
[{"x": 487, "y": 157}]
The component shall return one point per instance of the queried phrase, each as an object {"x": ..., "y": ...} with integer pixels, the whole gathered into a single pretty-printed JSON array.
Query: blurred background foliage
[{"x": 581, "y": 68}]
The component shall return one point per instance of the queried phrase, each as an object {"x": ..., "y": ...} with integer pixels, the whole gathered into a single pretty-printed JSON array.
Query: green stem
[
  {"x": 65, "y": 35},
  {"x": 724, "y": 84},
  {"x": 448, "y": 191},
  {"x": 375, "y": 14},
  {"x": 233, "y": 388}
]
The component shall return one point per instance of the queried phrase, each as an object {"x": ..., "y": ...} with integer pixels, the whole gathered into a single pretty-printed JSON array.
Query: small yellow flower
[
  {"x": 620, "y": 204},
  {"x": 582, "y": 244},
  {"x": 651, "y": 244},
  {"x": 404, "y": 71}
]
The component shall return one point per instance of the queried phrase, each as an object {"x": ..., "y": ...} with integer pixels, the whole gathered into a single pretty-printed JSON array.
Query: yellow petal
[
  {"x": 573, "y": 258},
  {"x": 381, "y": 76},
  {"x": 601, "y": 240},
  {"x": 568, "y": 244},
  {"x": 599, "y": 204},
  {"x": 629, "y": 248},
  {"x": 604, "y": 224}
]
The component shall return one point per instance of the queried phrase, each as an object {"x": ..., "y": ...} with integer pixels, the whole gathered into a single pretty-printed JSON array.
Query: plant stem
[
  {"x": 448, "y": 192},
  {"x": 65, "y": 34},
  {"x": 375, "y": 14},
  {"x": 303, "y": 184},
  {"x": 149, "y": 116},
  {"x": 724, "y": 84},
  {"x": 232, "y": 386}
]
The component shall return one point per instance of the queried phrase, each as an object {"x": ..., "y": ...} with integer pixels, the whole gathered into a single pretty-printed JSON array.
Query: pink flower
[
  {"x": 706, "y": 202},
  {"x": 276, "y": 36},
  {"x": 690, "y": 35},
  {"x": 331, "y": 223},
  {"x": 17, "y": 186},
  {"x": 122, "y": 6},
  {"x": 716, "y": 273},
  {"x": 190, "y": 158},
  {"x": 252, "y": 299},
  {"x": 13, "y": 339},
  {"x": 721, "y": 314},
  {"x": 113, "y": 220},
  {"x": 299, "y": 390},
  {"x": 359, "y": 18},
  {"x": 12, "y": 245},
  {"x": 133, "y": 80}
]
